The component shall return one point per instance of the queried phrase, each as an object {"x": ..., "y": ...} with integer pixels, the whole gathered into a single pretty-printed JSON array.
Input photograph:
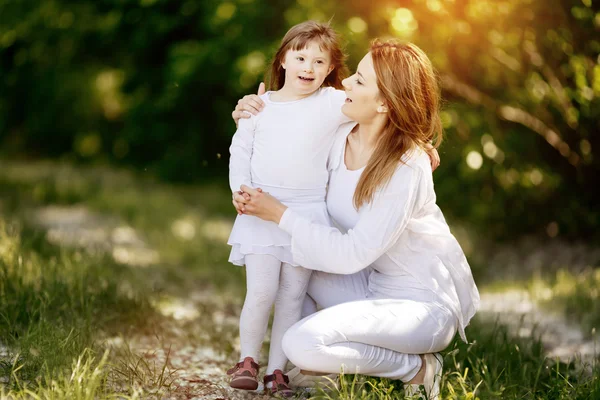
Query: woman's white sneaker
[
  {"x": 300, "y": 380},
  {"x": 431, "y": 382}
]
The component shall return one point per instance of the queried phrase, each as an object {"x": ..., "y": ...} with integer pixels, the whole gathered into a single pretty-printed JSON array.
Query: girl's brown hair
[
  {"x": 409, "y": 88},
  {"x": 297, "y": 38}
]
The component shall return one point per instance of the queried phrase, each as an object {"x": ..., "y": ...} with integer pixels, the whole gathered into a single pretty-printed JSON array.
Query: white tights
[
  {"x": 268, "y": 282},
  {"x": 358, "y": 332}
]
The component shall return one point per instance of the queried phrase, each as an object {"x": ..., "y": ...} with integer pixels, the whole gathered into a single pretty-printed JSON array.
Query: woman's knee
[{"x": 300, "y": 346}]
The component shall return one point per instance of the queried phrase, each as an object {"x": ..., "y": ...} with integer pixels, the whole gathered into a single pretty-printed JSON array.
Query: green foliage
[{"x": 153, "y": 82}]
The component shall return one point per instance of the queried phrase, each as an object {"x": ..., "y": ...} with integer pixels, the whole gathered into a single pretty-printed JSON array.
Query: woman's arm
[{"x": 380, "y": 224}]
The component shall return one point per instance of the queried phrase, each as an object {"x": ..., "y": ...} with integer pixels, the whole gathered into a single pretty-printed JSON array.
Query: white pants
[
  {"x": 268, "y": 282},
  {"x": 357, "y": 333}
]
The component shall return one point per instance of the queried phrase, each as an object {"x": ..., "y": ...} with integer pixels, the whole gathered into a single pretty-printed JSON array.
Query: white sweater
[
  {"x": 287, "y": 144},
  {"x": 401, "y": 230}
]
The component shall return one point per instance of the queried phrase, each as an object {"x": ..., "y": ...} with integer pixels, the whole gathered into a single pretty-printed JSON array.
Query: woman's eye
[
  {"x": 300, "y": 58},
  {"x": 357, "y": 81}
]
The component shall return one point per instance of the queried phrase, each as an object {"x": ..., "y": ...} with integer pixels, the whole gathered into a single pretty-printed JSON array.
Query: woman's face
[{"x": 362, "y": 93}]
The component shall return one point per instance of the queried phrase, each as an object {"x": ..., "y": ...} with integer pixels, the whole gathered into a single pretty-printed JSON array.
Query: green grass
[
  {"x": 57, "y": 305},
  {"x": 86, "y": 380},
  {"x": 53, "y": 303}
]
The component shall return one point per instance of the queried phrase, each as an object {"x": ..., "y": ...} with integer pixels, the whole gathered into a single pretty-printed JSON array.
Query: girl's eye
[
  {"x": 319, "y": 62},
  {"x": 300, "y": 58},
  {"x": 357, "y": 81}
]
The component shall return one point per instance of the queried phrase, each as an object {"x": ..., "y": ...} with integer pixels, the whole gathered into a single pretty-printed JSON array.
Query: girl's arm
[
  {"x": 241, "y": 153},
  {"x": 379, "y": 227}
]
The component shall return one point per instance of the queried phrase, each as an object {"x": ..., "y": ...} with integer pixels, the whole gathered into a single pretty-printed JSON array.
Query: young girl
[{"x": 284, "y": 150}]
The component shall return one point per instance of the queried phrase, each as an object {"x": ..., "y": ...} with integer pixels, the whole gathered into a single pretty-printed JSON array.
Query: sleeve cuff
[
  {"x": 235, "y": 186},
  {"x": 288, "y": 221}
]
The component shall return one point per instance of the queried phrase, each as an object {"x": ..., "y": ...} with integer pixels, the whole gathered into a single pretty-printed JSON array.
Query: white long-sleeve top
[
  {"x": 402, "y": 230},
  {"x": 287, "y": 144}
]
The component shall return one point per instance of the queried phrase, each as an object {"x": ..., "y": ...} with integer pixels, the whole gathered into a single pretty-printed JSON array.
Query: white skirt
[{"x": 252, "y": 235}]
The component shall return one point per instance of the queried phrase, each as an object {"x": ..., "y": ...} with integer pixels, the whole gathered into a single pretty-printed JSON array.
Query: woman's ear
[{"x": 382, "y": 109}]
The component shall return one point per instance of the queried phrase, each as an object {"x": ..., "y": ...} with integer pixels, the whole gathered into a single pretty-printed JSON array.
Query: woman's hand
[
  {"x": 250, "y": 103},
  {"x": 434, "y": 156},
  {"x": 263, "y": 205}
]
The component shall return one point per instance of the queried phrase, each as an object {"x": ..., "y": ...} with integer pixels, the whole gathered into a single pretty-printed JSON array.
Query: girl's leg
[
  {"x": 373, "y": 337},
  {"x": 309, "y": 306},
  {"x": 293, "y": 282},
  {"x": 262, "y": 282}
]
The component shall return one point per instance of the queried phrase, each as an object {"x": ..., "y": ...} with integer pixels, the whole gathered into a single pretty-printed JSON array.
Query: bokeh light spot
[
  {"x": 225, "y": 11},
  {"x": 486, "y": 138},
  {"x": 434, "y": 5},
  {"x": 447, "y": 118},
  {"x": 8, "y": 38},
  {"x": 403, "y": 22},
  {"x": 88, "y": 145},
  {"x": 490, "y": 149},
  {"x": 536, "y": 177},
  {"x": 586, "y": 147},
  {"x": 474, "y": 160},
  {"x": 357, "y": 25}
]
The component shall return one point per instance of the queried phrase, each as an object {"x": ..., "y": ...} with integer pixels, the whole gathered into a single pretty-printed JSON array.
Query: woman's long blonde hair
[
  {"x": 297, "y": 38},
  {"x": 409, "y": 88}
]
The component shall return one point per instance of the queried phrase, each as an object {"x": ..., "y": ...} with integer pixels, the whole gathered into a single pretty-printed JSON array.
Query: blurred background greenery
[
  {"x": 152, "y": 83},
  {"x": 115, "y": 123}
]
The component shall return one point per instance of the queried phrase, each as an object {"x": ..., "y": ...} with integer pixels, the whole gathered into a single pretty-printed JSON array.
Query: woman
[{"x": 409, "y": 287}]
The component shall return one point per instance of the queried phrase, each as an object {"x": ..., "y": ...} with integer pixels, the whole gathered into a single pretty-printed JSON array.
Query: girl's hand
[
  {"x": 434, "y": 156},
  {"x": 239, "y": 200},
  {"x": 263, "y": 205},
  {"x": 250, "y": 103}
]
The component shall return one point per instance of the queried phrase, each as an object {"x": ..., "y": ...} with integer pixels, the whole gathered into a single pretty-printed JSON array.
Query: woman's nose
[{"x": 345, "y": 84}]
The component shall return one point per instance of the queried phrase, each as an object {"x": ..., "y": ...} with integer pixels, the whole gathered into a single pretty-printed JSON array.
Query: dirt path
[{"x": 195, "y": 369}]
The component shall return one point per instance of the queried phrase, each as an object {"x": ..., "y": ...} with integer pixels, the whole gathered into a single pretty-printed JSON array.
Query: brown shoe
[
  {"x": 280, "y": 387},
  {"x": 244, "y": 375}
]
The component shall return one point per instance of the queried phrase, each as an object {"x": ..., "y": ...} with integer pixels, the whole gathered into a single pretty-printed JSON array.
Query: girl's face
[
  {"x": 306, "y": 69},
  {"x": 362, "y": 93}
]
